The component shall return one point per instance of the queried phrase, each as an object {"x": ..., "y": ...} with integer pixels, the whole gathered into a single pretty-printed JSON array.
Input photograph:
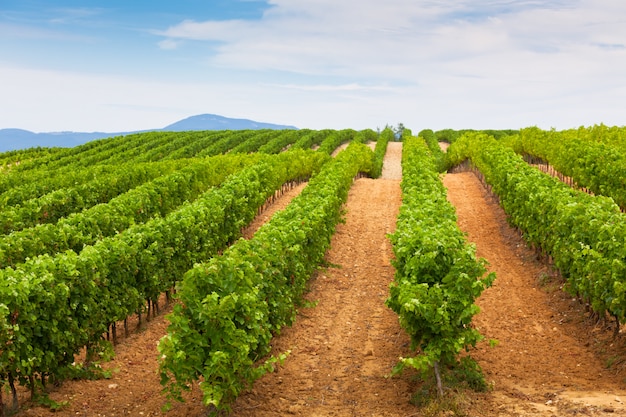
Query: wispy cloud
[
  {"x": 610, "y": 46},
  {"x": 34, "y": 32},
  {"x": 488, "y": 49},
  {"x": 52, "y": 24},
  {"x": 74, "y": 15},
  {"x": 352, "y": 87}
]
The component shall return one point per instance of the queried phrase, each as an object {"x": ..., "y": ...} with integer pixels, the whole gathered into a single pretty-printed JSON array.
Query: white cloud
[
  {"x": 227, "y": 30},
  {"x": 169, "y": 44}
]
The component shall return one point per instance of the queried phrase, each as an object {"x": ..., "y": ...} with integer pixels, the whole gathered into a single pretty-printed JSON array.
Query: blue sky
[{"x": 122, "y": 65}]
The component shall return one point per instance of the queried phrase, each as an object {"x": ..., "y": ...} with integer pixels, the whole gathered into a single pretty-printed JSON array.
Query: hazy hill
[
  {"x": 11, "y": 139},
  {"x": 215, "y": 122}
]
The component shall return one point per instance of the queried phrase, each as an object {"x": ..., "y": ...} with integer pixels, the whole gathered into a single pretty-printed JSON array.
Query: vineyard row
[
  {"x": 438, "y": 276},
  {"x": 583, "y": 234}
]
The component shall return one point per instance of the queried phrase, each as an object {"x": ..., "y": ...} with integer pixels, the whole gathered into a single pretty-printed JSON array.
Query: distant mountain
[
  {"x": 12, "y": 139},
  {"x": 215, "y": 122}
]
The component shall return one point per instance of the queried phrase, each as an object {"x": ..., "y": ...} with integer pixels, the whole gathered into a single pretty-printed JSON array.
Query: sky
[{"x": 113, "y": 66}]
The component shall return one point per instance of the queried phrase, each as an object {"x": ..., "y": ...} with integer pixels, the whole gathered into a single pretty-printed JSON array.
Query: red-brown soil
[{"x": 549, "y": 360}]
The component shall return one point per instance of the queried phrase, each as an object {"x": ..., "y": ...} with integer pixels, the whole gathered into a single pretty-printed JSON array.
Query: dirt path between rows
[{"x": 549, "y": 359}]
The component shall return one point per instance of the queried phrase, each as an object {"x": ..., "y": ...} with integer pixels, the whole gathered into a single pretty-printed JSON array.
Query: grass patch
[{"x": 460, "y": 382}]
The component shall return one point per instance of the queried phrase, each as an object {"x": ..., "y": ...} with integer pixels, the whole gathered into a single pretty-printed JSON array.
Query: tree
[{"x": 399, "y": 131}]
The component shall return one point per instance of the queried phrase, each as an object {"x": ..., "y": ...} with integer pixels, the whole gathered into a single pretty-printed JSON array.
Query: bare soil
[{"x": 550, "y": 359}]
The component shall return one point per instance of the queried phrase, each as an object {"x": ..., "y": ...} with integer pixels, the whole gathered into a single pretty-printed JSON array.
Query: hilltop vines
[
  {"x": 19, "y": 211},
  {"x": 438, "y": 276},
  {"x": 154, "y": 198}
]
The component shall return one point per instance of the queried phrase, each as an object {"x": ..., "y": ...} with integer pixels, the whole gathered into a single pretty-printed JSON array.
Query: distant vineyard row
[{"x": 594, "y": 157}]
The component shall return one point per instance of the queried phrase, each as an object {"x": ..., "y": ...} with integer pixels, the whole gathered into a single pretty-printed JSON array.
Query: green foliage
[
  {"x": 365, "y": 136},
  {"x": 468, "y": 372},
  {"x": 226, "y": 142},
  {"x": 44, "y": 400},
  {"x": 312, "y": 139},
  {"x": 283, "y": 141},
  {"x": 154, "y": 198},
  {"x": 438, "y": 276},
  {"x": 595, "y": 158},
  {"x": 336, "y": 139},
  {"x": 432, "y": 142},
  {"x": 451, "y": 135},
  {"x": 381, "y": 149},
  {"x": 447, "y": 135},
  {"x": 10, "y": 159},
  {"x": 138, "y": 147},
  {"x": 90, "y": 188}
]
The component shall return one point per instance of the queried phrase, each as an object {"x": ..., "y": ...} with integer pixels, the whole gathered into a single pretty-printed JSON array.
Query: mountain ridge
[{"x": 16, "y": 139}]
